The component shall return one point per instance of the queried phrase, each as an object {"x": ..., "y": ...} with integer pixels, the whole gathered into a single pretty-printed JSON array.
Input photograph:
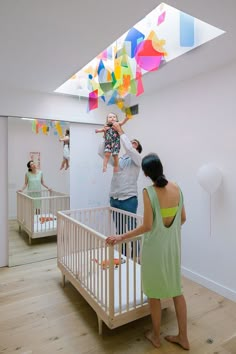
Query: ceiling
[{"x": 44, "y": 42}]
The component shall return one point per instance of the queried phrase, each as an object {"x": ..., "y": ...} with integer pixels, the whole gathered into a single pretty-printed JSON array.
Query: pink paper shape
[
  {"x": 93, "y": 100},
  {"x": 161, "y": 18}
]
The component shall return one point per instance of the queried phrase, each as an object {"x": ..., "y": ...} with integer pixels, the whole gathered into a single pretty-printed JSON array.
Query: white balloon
[{"x": 209, "y": 177}]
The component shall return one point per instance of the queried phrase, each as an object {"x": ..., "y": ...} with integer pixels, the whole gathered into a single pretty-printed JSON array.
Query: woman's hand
[{"x": 112, "y": 240}]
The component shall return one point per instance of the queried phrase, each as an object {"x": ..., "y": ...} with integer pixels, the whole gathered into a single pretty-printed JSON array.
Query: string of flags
[{"x": 48, "y": 126}]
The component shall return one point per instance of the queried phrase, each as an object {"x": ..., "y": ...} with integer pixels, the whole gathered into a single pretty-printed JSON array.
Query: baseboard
[{"x": 208, "y": 283}]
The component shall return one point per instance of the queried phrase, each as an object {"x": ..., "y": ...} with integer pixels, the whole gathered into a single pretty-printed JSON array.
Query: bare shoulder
[{"x": 173, "y": 185}]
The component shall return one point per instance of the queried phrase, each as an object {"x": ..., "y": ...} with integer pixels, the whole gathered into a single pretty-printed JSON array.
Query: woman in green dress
[
  {"x": 164, "y": 214},
  {"x": 33, "y": 182}
]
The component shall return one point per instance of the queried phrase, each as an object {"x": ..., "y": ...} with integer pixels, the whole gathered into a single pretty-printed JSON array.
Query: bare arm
[
  {"x": 25, "y": 185},
  {"x": 65, "y": 139},
  {"x": 43, "y": 184},
  {"x": 123, "y": 121},
  {"x": 145, "y": 227},
  {"x": 183, "y": 215},
  {"x": 101, "y": 130}
]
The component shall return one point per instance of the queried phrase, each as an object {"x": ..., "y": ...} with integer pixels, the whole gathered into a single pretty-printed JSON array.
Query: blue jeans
[{"x": 130, "y": 205}]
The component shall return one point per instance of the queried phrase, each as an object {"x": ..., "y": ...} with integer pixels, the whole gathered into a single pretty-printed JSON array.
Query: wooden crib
[
  {"x": 108, "y": 277},
  {"x": 37, "y": 212}
]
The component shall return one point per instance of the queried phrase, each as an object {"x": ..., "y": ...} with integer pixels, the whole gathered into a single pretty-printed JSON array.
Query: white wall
[
  {"x": 47, "y": 106},
  {"x": 21, "y": 141},
  {"x": 3, "y": 193},
  {"x": 188, "y": 125}
]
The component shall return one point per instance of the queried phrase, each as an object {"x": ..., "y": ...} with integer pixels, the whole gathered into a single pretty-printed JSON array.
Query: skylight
[{"x": 116, "y": 73}]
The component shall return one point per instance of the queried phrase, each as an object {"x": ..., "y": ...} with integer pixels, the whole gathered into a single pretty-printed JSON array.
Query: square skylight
[{"x": 161, "y": 36}]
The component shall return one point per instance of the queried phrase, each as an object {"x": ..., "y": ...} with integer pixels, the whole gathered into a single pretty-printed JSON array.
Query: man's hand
[{"x": 116, "y": 126}]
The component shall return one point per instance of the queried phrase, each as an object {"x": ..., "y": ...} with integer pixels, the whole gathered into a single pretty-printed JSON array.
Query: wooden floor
[
  {"x": 38, "y": 316},
  {"x": 20, "y": 252}
]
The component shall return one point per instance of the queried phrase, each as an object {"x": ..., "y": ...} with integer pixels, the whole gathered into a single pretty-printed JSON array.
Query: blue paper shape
[{"x": 186, "y": 27}]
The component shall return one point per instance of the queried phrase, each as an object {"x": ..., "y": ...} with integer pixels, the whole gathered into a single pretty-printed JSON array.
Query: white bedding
[
  {"x": 44, "y": 222},
  {"x": 95, "y": 278}
]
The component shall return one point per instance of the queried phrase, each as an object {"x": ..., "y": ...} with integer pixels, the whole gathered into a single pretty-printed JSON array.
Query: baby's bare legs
[
  {"x": 116, "y": 163},
  {"x": 62, "y": 164},
  {"x": 181, "y": 313},
  {"x": 67, "y": 164},
  {"x": 154, "y": 335},
  {"x": 105, "y": 160}
]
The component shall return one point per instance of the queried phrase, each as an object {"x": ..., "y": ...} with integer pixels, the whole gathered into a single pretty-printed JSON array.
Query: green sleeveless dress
[
  {"x": 161, "y": 253},
  {"x": 34, "y": 184}
]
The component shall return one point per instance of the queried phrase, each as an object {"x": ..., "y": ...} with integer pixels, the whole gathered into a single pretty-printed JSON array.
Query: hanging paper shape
[
  {"x": 100, "y": 67},
  {"x": 147, "y": 57},
  {"x": 106, "y": 86},
  {"x": 161, "y": 18},
  {"x": 93, "y": 100},
  {"x": 112, "y": 100},
  {"x": 58, "y": 129},
  {"x": 158, "y": 44},
  {"x": 120, "y": 103},
  {"x": 140, "y": 88},
  {"x": 186, "y": 27},
  {"x": 134, "y": 37},
  {"x": 103, "y": 55},
  {"x": 45, "y": 129},
  {"x": 133, "y": 87},
  {"x": 34, "y": 126}
]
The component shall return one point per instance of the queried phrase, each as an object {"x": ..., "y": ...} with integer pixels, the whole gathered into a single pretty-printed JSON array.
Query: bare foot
[
  {"x": 184, "y": 343},
  {"x": 104, "y": 169},
  {"x": 152, "y": 338},
  {"x": 116, "y": 169}
]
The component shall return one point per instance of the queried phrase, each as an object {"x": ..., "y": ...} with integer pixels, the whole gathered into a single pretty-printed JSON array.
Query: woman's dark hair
[
  {"x": 152, "y": 167},
  {"x": 139, "y": 147},
  {"x": 28, "y": 165}
]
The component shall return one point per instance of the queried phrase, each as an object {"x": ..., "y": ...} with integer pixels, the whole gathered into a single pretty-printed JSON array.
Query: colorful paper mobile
[{"x": 116, "y": 73}]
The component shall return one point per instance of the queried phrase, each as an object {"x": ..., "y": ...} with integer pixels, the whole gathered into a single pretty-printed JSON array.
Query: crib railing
[
  {"x": 34, "y": 207},
  {"x": 109, "y": 277}
]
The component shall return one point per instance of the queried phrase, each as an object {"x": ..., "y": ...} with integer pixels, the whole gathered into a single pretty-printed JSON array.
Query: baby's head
[{"x": 112, "y": 118}]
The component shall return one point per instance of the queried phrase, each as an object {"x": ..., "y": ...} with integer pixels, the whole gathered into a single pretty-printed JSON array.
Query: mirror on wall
[{"x": 32, "y": 216}]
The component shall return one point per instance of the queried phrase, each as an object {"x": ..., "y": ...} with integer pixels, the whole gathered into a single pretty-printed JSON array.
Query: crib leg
[
  {"x": 19, "y": 229},
  {"x": 63, "y": 280},
  {"x": 30, "y": 241},
  {"x": 99, "y": 326}
]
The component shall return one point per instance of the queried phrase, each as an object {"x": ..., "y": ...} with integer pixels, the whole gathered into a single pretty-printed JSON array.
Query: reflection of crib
[
  {"x": 108, "y": 277},
  {"x": 42, "y": 222}
]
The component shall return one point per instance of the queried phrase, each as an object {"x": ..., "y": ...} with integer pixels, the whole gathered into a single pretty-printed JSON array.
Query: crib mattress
[
  {"x": 45, "y": 222},
  {"x": 89, "y": 269}
]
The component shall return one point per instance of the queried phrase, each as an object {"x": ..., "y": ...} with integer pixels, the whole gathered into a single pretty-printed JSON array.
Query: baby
[{"x": 112, "y": 140}]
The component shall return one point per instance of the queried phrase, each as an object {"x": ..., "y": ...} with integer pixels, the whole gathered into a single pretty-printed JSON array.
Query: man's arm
[{"x": 129, "y": 149}]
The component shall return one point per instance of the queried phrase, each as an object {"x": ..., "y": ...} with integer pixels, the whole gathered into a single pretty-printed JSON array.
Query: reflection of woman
[
  {"x": 66, "y": 150},
  {"x": 164, "y": 214},
  {"x": 33, "y": 182}
]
